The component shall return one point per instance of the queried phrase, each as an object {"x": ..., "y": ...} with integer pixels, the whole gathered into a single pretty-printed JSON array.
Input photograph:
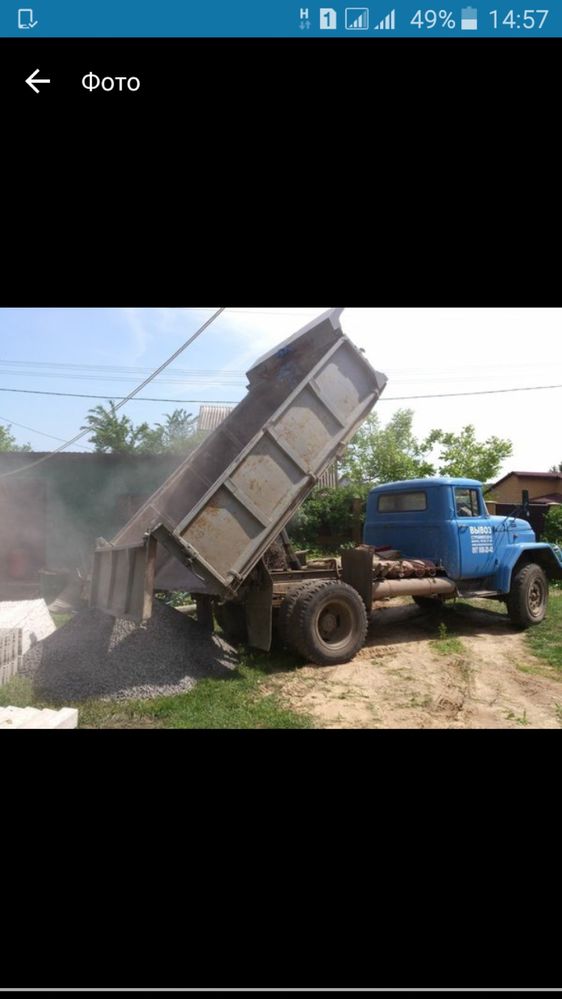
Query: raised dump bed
[{"x": 227, "y": 502}]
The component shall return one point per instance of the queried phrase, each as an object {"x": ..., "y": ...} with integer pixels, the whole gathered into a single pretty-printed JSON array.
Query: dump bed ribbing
[{"x": 221, "y": 509}]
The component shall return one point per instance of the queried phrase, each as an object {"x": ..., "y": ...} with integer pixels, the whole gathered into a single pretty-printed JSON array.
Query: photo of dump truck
[{"x": 217, "y": 526}]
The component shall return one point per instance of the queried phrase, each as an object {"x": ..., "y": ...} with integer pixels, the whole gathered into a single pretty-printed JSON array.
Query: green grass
[
  {"x": 60, "y": 619},
  {"x": 17, "y": 692},
  {"x": 494, "y": 606},
  {"x": 446, "y": 644},
  {"x": 419, "y": 702},
  {"x": 531, "y": 670},
  {"x": 236, "y": 702},
  {"x": 545, "y": 640},
  {"x": 520, "y": 719}
]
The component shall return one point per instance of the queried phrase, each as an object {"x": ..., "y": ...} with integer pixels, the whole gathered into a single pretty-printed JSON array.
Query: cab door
[{"x": 476, "y": 535}]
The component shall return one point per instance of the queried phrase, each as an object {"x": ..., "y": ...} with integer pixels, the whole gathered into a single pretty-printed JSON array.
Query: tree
[
  {"x": 116, "y": 434},
  {"x": 178, "y": 434},
  {"x": 462, "y": 455},
  {"x": 556, "y": 468},
  {"x": 327, "y": 512},
  {"x": 386, "y": 454},
  {"x": 553, "y": 525},
  {"x": 8, "y": 441},
  {"x": 392, "y": 453}
]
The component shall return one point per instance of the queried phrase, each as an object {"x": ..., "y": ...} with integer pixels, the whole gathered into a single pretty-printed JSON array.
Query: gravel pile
[{"x": 95, "y": 655}]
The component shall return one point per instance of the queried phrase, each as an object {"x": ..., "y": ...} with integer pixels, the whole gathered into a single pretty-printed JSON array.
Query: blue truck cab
[{"x": 446, "y": 520}]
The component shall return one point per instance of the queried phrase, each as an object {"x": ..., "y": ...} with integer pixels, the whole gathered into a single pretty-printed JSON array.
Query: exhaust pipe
[{"x": 413, "y": 588}]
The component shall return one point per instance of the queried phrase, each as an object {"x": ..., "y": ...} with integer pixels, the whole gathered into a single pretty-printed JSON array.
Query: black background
[
  {"x": 391, "y": 172},
  {"x": 271, "y": 173}
]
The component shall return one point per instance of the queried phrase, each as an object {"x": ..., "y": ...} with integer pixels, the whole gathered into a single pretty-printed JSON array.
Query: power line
[
  {"x": 120, "y": 404},
  {"x": 78, "y": 376},
  {"x": 127, "y": 377},
  {"x": 228, "y": 402},
  {"x": 143, "y": 398},
  {"x": 206, "y": 378},
  {"x": 207, "y": 381},
  {"x": 126, "y": 368},
  {"x": 100, "y": 370},
  {"x": 234, "y": 402},
  {"x": 9, "y": 423},
  {"x": 451, "y": 395},
  {"x": 115, "y": 371}
]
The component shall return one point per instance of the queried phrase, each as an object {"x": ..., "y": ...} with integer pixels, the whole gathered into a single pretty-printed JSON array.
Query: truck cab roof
[{"x": 434, "y": 482}]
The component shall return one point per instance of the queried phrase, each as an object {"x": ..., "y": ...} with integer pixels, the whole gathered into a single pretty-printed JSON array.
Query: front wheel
[{"x": 528, "y": 598}]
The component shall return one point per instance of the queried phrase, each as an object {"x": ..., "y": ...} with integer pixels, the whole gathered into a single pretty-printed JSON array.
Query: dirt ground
[{"x": 400, "y": 680}]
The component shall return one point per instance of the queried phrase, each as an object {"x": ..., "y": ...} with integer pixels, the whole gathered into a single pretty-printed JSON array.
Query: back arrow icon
[{"x": 33, "y": 79}]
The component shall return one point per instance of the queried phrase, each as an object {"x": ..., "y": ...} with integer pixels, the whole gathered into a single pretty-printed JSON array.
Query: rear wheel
[
  {"x": 329, "y": 623},
  {"x": 286, "y": 629},
  {"x": 286, "y": 612},
  {"x": 527, "y": 600}
]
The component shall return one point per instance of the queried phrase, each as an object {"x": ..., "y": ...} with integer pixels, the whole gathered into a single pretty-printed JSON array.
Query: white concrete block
[
  {"x": 12, "y": 717},
  {"x": 10, "y": 653},
  {"x": 42, "y": 719},
  {"x": 67, "y": 718},
  {"x": 32, "y": 616}
]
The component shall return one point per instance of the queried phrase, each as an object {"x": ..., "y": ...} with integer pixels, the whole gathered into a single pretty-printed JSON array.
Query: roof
[
  {"x": 550, "y": 499},
  {"x": 437, "y": 480},
  {"x": 529, "y": 475},
  {"x": 210, "y": 417}
]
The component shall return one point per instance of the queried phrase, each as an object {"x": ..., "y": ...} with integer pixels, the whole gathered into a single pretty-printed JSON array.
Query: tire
[
  {"x": 286, "y": 611},
  {"x": 528, "y": 598},
  {"x": 231, "y": 619},
  {"x": 428, "y": 603},
  {"x": 329, "y": 623}
]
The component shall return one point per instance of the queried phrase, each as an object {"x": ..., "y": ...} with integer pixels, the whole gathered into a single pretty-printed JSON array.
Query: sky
[{"x": 107, "y": 352}]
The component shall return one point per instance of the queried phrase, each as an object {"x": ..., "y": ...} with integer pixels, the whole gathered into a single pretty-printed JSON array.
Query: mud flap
[
  {"x": 258, "y": 604},
  {"x": 357, "y": 571}
]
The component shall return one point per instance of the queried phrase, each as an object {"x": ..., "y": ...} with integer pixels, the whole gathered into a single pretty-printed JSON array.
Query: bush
[
  {"x": 326, "y": 513},
  {"x": 553, "y": 525},
  {"x": 174, "y": 598}
]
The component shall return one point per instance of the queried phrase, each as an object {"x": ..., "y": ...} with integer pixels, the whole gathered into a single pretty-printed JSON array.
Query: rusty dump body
[{"x": 208, "y": 526}]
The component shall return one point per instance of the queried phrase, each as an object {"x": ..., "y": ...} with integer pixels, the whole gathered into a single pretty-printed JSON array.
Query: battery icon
[{"x": 469, "y": 19}]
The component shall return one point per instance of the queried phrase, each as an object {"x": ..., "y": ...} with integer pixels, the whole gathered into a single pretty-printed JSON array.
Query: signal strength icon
[
  {"x": 357, "y": 18},
  {"x": 388, "y": 23}
]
